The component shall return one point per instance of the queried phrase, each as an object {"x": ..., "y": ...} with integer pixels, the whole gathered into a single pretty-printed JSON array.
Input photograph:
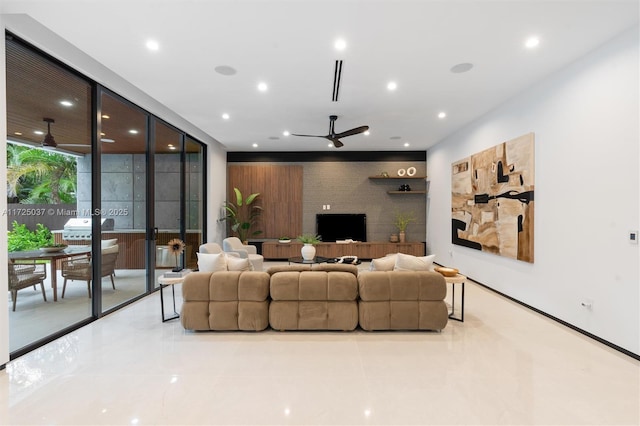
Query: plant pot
[
  {"x": 308, "y": 251},
  {"x": 402, "y": 237}
]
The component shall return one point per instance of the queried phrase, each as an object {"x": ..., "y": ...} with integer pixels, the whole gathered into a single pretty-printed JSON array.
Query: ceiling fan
[
  {"x": 335, "y": 137},
  {"x": 50, "y": 143}
]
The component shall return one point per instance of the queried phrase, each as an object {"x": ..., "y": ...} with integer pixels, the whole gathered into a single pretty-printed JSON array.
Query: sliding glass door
[
  {"x": 123, "y": 195},
  {"x": 90, "y": 171}
]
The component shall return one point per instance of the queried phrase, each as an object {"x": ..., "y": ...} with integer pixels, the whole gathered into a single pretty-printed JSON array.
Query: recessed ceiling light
[
  {"x": 262, "y": 87},
  {"x": 105, "y": 116},
  {"x": 340, "y": 44},
  {"x": 107, "y": 140},
  {"x": 173, "y": 148},
  {"x": 17, "y": 133},
  {"x": 442, "y": 115},
  {"x": 225, "y": 70},
  {"x": 255, "y": 145},
  {"x": 153, "y": 45},
  {"x": 367, "y": 133},
  {"x": 66, "y": 103},
  {"x": 286, "y": 133},
  {"x": 225, "y": 116},
  {"x": 460, "y": 68},
  {"x": 392, "y": 85},
  {"x": 133, "y": 131},
  {"x": 406, "y": 144},
  {"x": 38, "y": 132},
  {"x": 532, "y": 42}
]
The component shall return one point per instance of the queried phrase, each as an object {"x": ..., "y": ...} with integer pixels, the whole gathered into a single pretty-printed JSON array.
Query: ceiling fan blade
[
  {"x": 309, "y": 136},
  {"x": 336, "y": 142},
  {"x": 351, "y": 132}
]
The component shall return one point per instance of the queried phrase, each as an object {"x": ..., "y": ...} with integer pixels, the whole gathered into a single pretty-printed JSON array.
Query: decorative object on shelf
[
  {"x": 308, "y": 251},
  {"x": 401, "y": 172},
  {"x": 411, "y": 171},
  {"x": 243, "y": 215},
  {"x": 176, "y": 247},
  {"x": 284, "y": 240},
  {"x": 384, "y": 174},
  {"x": 404, "y": 187},
  {"x": 447, "y": 272},
  {"x": 401, "y": 221},
  {"x": 393, "y": 238}
]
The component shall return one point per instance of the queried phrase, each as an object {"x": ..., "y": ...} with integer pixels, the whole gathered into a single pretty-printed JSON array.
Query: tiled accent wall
[{"x": 345, "y": 187}]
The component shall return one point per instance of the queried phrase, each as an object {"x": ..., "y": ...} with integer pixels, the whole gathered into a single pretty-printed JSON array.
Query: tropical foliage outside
[{"x": 35, "y": 176}]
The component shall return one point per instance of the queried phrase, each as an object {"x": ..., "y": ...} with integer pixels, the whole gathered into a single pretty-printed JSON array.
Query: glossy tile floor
[{"x": 503, "y": 365}]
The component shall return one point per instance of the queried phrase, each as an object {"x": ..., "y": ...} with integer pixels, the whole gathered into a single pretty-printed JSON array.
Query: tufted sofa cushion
[
  {"x": 322, "y": 298},
  {"x": 402, "y": 300},
  {"x": 225, "y": 300}
]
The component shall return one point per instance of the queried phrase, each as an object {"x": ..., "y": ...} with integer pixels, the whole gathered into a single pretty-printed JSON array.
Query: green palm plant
[
  {"x": 37, "y": 176},
  {"x": 243, "y": 215}
]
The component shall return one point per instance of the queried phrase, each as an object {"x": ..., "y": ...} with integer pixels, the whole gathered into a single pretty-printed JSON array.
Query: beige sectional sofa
[{"x": 317, "y": 297}]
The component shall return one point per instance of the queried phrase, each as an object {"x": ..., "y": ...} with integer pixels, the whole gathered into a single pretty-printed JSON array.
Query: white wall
[
  {"x": 585, "y": 119},
  {"x": 34, "y": 33}
]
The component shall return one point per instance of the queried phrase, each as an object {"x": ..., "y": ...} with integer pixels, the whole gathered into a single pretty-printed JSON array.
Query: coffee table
[{"x": 317, "y": 259}]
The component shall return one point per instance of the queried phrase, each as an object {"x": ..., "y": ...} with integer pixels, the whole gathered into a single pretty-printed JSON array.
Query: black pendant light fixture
[{"x": 49, "y": 142}]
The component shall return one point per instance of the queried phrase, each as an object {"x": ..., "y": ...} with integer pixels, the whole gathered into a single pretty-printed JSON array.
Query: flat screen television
[{"x": 341, "y": 226}]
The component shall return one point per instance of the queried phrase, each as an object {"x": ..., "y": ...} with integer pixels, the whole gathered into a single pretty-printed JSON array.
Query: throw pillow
[
  {"x": 212, "y": 262},
  {"x": 238, "y": 264},
  {"x": 108, "y": 243},
  {"x": 111, "y": 249},
  {"x": 406, "y": 262},
  {"x": 384, "y": 263}
]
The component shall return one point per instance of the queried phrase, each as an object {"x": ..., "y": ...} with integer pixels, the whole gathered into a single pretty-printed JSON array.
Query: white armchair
[
  {"x": 214, "y": 248},
  {"x": 234, "y": 245}
]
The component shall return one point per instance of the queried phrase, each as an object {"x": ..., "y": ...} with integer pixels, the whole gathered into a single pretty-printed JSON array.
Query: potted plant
[
  {"x": 401, "y": 221},
  {"x": 243, "y": 215},
  {"x": 284, "y": 240},
  {"x": 308, "y": 250}
]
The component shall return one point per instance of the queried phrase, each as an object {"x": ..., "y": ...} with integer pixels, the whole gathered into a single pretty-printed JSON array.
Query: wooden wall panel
[{"x": 280, "y": 189}]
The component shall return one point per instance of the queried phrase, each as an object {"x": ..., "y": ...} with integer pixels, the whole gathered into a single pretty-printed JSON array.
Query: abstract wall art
[{"x": 492, "y": 199}]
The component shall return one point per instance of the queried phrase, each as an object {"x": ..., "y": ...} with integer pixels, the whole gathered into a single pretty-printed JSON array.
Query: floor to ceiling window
[{"x": 97, "y": 186}]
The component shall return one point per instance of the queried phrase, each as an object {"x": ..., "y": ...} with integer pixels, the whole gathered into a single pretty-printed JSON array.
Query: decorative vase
[
  {"x": 308, "y": 252},
  {"x": 402, "y": 236}
]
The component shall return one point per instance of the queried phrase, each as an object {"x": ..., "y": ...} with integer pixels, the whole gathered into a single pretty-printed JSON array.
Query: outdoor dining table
[{"x": 53, "y": 258}]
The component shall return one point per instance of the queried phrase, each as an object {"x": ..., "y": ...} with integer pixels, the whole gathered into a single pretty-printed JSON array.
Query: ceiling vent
[{"x": 337, "y": 75}]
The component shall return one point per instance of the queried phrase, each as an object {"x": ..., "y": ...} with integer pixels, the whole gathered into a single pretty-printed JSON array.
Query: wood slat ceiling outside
[{"x": 35, "y": 88}]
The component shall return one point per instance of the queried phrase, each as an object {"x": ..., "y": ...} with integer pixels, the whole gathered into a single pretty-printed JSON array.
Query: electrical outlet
[
  {"x": 324, "y": 207},
  {"x": 328, "y": 206}
]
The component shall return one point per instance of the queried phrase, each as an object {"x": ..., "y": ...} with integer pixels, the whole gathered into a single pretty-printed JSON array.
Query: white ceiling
[{"x": 290, "y": 46}]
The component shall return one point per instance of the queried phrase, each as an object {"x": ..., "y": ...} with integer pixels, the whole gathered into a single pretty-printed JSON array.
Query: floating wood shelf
[
  {"x": 397, "y": 177},
  {"x": 406, "y": 192}
]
